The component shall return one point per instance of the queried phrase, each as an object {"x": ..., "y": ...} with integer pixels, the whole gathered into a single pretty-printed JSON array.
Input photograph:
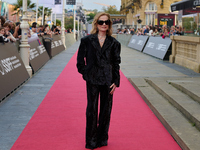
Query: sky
[{"x": 87, "y": 4}]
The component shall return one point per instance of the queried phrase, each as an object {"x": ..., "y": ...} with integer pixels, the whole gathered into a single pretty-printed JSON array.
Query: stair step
[
  {"x": 182, "y": 131},
  {"x": 191, "y": 89},
  {"x": 186, "y": 105}
]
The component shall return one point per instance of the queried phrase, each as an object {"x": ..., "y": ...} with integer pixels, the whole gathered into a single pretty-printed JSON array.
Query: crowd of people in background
[
  {"x": 163, "y": 31},
  {"x": 10, "y": 31}
]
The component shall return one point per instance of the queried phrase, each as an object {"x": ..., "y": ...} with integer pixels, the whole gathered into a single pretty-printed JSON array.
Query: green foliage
[
  {"x": 111, "y": 10},
  {"x": 187, "y": 24},
  {"x": 91, "y": 15},
  {"x": 69, "y": 23},
  {"x": 58, "y": 22},
  {"x": 95, "y": 11},
  {"x": 19, "y": 5}
]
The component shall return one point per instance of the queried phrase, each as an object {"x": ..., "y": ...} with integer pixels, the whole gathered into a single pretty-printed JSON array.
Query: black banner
[
  {"x": 12, "y": 70},
  {"x": 38, "y": 54},
  {"x": 191, "y": 11},
  {"x": 57, "y": 2},
  {"x": 70, "y": 2},
  {"x": 138, "y": 42},
  {"x": 185, "y": 4},
  {"x": 57, "y": 45},
  {"x": 157, "y": 46}
]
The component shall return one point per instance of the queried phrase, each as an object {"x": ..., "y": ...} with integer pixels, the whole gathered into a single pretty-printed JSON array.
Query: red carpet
[{"x": 59, "y": 122}]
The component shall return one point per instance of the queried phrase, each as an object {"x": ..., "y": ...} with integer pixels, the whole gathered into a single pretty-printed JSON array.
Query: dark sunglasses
[{"x": 101, "y": 22}]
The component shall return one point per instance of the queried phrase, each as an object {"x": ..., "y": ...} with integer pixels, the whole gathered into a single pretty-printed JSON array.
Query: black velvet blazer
[{"x": 99, "y": 65}]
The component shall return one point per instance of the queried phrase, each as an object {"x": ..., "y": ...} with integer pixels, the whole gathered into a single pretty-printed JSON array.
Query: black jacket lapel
[
  {"x": 107, "y": 44},
  {"x": 95, "y": 42}
]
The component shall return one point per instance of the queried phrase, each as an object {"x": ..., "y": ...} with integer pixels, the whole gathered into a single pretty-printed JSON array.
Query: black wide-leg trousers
[{"x": 97, "y": 128}]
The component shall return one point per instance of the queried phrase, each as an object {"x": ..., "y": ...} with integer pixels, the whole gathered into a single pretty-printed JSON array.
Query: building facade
[{"x": 150, "y": 12}]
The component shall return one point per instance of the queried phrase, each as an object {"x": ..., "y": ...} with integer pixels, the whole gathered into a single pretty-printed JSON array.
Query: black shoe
[{"x": 103, "y": 143}]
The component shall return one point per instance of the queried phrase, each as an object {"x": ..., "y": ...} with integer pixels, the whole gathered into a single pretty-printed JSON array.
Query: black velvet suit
[{"x": 100, "y": 68}]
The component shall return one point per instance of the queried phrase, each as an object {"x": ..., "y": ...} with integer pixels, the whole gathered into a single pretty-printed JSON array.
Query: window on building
[{"x": 150, "y": 11}]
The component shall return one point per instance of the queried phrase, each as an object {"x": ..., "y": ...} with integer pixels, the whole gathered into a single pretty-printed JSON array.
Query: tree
[
  {"x": 58, "y": 22},
  {"x": 47, "y": 12},
  {"x": 95, "y": 11},
  {"x": 19, "y": 5},
  {"x": 111, "y": 10},
  {"x": 91, "y": 16},
  {"x": 69, "y": 23}
]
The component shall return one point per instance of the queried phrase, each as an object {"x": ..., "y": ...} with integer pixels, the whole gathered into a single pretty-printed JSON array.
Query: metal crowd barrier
[
  {"x": 152, "y": 45},
  {"x": 12, "y": 70}
]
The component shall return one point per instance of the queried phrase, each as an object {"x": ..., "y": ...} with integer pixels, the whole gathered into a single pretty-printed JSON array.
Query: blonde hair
[{"x": 94, "y": 23}]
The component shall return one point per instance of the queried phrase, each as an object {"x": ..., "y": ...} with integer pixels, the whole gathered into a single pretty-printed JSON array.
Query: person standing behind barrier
[
  {"x": 132, "y": 31},
  {"x": 150, "y": 31},
  {"x": 47, "y": 31},
  {"x": 40, "y": 30},
  {"x": 7, "y": 34},
  {"x": 155, "y": 31},
  {"x": 146, "y": 31},
  {"x": 172, "y": 31},
  {"x": 163, "y": 30},
  {"x": 18, "y": 30},
  {"x": 3, "y": 39},
  {"x": 33, "y": 30},
  {"x": 2, "y": 21},
  {"x": 178, "y": 31},
  {"x": 12, "y": 29},
  {"x": 139, "y": 31},
  {"x": 166, "y": 33},
  {"x": 98, "y": 61}
]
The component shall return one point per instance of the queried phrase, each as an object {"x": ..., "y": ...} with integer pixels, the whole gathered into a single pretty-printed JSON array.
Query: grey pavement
[
  {"x": 136, "y": 64},
  {"x": 17, "y": 109},
  {"x": 171, "y": 91}
]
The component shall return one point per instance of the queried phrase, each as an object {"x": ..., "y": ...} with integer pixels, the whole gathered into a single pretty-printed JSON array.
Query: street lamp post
[
  {"x": 78, "y": 26},
  {"x": 81, "y": 29},
  {"x": 24, "y": 46},
  {"x": 74, "y": 30},
  {"x": 37, "y": 11},
  {"x": 63, "y": 25}
]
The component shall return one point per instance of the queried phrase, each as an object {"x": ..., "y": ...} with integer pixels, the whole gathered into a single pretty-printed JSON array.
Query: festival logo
[{"x": 9, "y": 64}]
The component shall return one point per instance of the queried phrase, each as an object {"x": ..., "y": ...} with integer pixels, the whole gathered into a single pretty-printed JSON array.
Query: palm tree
[
  {"x": 47, "y": 12},
  {"x": 19, "y": 5}
]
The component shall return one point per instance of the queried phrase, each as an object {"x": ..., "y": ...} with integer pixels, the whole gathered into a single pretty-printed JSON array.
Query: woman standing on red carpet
[{"x": 98, "y": 61}]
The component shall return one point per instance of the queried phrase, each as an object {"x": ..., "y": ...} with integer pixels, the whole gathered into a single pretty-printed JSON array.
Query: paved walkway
[{"x": 17, "y": 109}]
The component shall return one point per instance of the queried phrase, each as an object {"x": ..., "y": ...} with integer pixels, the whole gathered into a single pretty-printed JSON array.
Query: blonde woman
[{"x": 98, "y": 61}]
